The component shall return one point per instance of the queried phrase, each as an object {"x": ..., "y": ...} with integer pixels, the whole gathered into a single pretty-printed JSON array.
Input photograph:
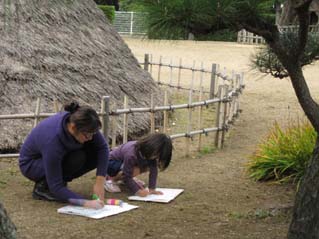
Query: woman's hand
[
  {"x": 153, "y": 191},
  {"x": 142, "y": 193},
  {"x": 95, "y": 204},
  {"x": 98, "y": 187}
]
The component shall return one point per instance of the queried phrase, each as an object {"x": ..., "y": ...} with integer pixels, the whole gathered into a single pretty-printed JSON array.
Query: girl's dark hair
[
  {"x": 156, "y": 145},
  {"x": 84, "y": 117}
]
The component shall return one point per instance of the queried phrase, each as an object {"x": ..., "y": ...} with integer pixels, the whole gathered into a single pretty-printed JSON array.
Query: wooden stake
[
  {"x": 55, "y": 106},
  {"x": 200, "y": 120},
  {"x": 189, "y": 124},
  {"x": 213, "y": 81},
  {"x": 179, "y": 74},
  {"x": 152, "y": 114},
  {"x": 114, "y": 127},
  {"x": 159, "y": 70},
  {"x": 105, "y": 109},
  {"x": 37, "y": 112},
  {"x": 224, "y": 125},
  {"x": 165, "y": 122},
  {"x": 171, "y": 72},
  {"x": 219, "y": 95},
  {"x": 151, "y": 64},
  {"x": 146, "y": 62},
  {"x": 125, "y": 121}
]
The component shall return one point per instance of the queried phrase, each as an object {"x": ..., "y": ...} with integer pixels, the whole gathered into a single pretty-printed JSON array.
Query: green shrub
[
  {"x": 219, "y": 35},
  {"x": 109, "y": 11},
  {"x": 284, "y": 154},
  {"x": 266, "y": 61}
]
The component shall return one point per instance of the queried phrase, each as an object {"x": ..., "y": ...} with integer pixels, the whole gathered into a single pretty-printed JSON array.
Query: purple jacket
[
  {"x": 42, "y": 153},
  {"x": 126, "y": 153}
]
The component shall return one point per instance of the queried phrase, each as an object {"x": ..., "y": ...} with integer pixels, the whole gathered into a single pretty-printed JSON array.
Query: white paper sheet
[
  {"x": 107, "y": 211},
  {"x": 168, "y": 195}
]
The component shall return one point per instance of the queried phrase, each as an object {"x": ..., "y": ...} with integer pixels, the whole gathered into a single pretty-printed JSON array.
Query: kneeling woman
[{"x": 64, "y": 147}]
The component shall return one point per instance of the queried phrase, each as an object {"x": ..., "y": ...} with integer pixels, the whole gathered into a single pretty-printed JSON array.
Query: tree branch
[{"x": 303, "y": 15}]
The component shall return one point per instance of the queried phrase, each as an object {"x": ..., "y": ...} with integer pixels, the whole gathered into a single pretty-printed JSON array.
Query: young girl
[{"x": 137, "y": 157}]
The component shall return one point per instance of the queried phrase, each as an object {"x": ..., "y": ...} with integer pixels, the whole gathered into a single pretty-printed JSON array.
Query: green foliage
[
  {"x": 179, "y": 19},
  {"x": 219, "y": 35},
  {"x": 109, "y": 11},
  {"x": 267, "y": 62},
  {"x": 284, "y": 154},
  {"x": 207, "y": 150},
  {"x": 132, "y": 5}
]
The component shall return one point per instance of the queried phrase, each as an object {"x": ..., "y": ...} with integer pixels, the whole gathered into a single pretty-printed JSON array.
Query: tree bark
[
  {"x": 305, "y": 220},
  {"x": 7, "y": 228}
]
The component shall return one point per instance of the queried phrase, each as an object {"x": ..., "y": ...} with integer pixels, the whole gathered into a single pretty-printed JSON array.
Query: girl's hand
[
  {"x": 95, "y": 204},
  {"x": 142, "y": 192},
  {"x": 153, "y": 191}
]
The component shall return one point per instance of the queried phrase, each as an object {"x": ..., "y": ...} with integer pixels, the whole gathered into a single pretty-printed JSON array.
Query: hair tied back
[{"x": 72, "y": 107}]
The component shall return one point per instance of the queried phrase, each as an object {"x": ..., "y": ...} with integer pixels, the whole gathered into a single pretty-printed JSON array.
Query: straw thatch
[{"x": 64, "y": 49}]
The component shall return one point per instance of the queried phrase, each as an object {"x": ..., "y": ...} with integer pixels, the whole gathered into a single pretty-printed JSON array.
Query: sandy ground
[{"x": 219, "y": 201}]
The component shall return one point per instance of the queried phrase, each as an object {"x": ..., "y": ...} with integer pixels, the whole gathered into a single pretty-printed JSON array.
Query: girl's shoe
[{"x": 111, "y": 186}]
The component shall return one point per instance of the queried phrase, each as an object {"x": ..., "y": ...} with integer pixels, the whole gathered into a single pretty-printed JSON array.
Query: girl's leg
[{"x": 114, "y": 174}]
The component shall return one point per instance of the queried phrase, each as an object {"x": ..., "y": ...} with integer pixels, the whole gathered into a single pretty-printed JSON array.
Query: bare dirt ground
[{"x": 219, "y": 201}]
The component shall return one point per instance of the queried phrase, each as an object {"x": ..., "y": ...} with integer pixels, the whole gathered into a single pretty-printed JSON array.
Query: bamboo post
[
  {"x": 189, "y": 123},
  {"x": 171, "y": 72},
  {"x": 213, "y": 81},
  {"x": 37, "y": 112},
  {"x": 152, "y": 114},
  {"x": 146, "y": 62},
  {"x": 105, "y": 109},
  {"x": 159, "y": 70},
  {"x": 55, "y": 106},
  {"x": 200, "y": 120},
  {"x": 165, "y": 122},
  {"x": 201, "y": 77},
  {"x": 239, "y": 85},
  {"x": 114, "y": 127},
  {"x": 179, "y": 74},
  {"x": 125, "y": 121},
  {"x": 151, "y": 64},
  {"x": 219, "y": 96},
  {"x": 200, "y": 110},
  {"x": 224, "y": 125}
]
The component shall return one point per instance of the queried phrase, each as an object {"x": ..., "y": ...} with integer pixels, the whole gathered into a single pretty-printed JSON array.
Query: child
[{"x": 136, "y": 157}]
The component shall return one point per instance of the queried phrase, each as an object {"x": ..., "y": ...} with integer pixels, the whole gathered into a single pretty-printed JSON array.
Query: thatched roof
[{"x": 64, "y": 49}]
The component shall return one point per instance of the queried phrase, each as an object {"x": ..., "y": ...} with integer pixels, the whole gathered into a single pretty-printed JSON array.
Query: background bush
[
  {"x": 109, "y": 11},
  {"x": 284, "y": 154}
]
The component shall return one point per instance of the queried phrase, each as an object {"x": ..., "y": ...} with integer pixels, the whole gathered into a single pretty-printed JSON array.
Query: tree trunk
[
  {"x": 288, "y": 15},
  {"x": 7, "y": 228},
  {"x": 305, "y": 220}
]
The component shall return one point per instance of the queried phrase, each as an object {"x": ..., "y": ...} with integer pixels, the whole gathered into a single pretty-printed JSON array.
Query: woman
[{"x": 64, "y": 147}]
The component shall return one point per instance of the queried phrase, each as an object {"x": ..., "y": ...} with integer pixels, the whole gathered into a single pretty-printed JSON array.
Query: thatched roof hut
[{"x": 64, "y": 49}]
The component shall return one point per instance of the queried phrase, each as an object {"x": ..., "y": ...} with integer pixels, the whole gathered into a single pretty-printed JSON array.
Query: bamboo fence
[
  {"x": 247, "y": 37},
  {"x": 224, "y": 94}
]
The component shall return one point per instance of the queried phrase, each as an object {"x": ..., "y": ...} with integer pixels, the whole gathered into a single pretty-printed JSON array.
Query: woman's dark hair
[
  {"x": 84, "y": 117},
  {"x": 156, "y": 145}
]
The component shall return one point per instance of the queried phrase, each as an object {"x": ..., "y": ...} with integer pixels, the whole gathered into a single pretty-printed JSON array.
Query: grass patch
[
  {"x": 207, "y": 150},
  {"x": 283, "y": 156}
]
